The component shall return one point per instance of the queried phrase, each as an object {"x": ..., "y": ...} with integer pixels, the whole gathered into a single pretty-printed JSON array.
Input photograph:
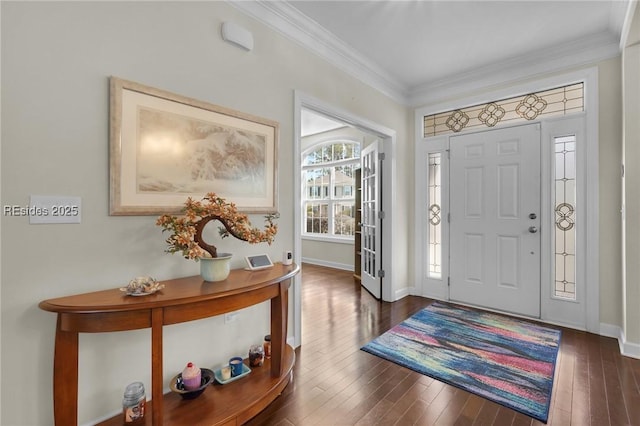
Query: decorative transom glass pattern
[
  {"x": 435, "y": 215},
  {"x": 559, "y": 101},
  {"x": 565, "y": 216}
]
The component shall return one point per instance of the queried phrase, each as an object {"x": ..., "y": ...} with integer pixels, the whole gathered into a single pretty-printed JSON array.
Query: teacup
[{"x": 235, "y": 364}]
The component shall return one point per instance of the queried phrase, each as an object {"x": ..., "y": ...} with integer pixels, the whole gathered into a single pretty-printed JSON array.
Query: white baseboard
[
  {"x": 291, "y": 341},
  {"x": 404, "y": 292},
  {"x": 436, "y": 294},
  {"x": 335, "y": 265},
  {"x": 629, "y": 349},
  {"x": 610, "y": 330}
]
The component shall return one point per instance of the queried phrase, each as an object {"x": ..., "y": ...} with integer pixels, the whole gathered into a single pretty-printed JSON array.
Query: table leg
[
  {"x": 65, "y": 377},
  {"x": 156, "y": 366},
  {"x": 279, "y": 314}
]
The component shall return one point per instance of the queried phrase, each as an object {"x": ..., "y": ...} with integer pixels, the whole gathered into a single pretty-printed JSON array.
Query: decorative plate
[
  {"x": 177, "y": 385},
  {"x": 140, "y": 293},
  {"x": 142, "y": 286}
]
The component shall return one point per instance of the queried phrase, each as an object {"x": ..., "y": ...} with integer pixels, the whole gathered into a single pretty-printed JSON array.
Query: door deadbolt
[{"x": 532, "y": 216}]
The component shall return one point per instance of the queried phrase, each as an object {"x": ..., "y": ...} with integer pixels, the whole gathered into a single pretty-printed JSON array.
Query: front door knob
[{"x": 533, "y": 229}]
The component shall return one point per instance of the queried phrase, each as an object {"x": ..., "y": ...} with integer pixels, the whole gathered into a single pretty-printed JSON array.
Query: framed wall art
[{"x": 166, "y": 147}]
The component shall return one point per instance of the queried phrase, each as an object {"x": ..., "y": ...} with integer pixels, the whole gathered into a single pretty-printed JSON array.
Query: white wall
[
  {"x": 631, "y": 99},
  {"x": 610, "y": 152},
  {"x": 56, "y": 60}
]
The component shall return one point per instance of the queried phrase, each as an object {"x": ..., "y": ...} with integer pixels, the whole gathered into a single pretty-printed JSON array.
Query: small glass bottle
[
  {"x": 256, "y": 356},
  {"x": 267, "y": 346},
  {"x": 133, "y": 404}
]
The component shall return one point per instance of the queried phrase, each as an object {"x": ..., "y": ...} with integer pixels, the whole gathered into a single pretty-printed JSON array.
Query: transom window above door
[
  {"x": 532, "y": 106},
  {"x": 328, "y": 177}
]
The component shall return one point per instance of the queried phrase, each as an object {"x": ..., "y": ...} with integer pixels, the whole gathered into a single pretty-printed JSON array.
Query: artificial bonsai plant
[{"x": 186, "y": 230}]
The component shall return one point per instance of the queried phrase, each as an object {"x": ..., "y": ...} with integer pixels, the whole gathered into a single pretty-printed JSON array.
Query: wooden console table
[{"x": 182, "y": 300}]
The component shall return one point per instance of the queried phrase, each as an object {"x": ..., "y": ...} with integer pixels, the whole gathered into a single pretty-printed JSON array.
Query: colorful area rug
[{"x": 505, "y": 360}]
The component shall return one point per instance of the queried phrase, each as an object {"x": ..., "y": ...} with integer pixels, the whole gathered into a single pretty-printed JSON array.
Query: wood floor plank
[
  {"x": 563, "y": 389},
  {"x": 616, "y": 402},
  {"x": 420, "y": 406},
  {"x": 487, "y": 414},
  {"x": 630, "y": 390},
  {"x": 340, "y": 401},
  {"x": 438, "y": 406},
  {"x": 403, "y": 387},
  {"x": 598, "y": 409},
  {"x": 470, "y": 411},
  {"x": 453, "y": 409},
  {"x": 403, "y": 404},
  {"x": 335, "y": 383}
]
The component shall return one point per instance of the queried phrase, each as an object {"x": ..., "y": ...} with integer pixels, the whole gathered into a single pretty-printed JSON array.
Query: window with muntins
[{"x": 328, "y": 173}]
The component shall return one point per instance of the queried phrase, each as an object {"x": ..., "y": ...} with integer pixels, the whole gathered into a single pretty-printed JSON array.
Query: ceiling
[
  {"x": 312, "y": 123},
  {"x": 418, "y": 52}
]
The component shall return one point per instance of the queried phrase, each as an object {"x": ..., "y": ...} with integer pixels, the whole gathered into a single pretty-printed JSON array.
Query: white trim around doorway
[
  {"x": 388, "y": 137},
  {"x": 438, "y": 289}
]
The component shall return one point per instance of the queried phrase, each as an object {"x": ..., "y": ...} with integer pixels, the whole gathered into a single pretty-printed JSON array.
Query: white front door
[
  {"x": 495, "y": 219},
  {"x": 371, "y": 232}
]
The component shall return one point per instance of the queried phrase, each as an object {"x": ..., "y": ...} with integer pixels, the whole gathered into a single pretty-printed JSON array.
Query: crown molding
[
  {"x": 290, "y": 22},
  {"x": 628, "y": 20},
  {"x": 585, "y": 51}
]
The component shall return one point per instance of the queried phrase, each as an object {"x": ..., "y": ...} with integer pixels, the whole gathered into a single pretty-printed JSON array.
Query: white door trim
[
  {"x": 388, "y": 137},
  {"x": 438, "y": 288}
]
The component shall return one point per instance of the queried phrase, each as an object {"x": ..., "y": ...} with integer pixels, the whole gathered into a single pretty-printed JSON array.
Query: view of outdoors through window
[{"x": 329, "y": 189}]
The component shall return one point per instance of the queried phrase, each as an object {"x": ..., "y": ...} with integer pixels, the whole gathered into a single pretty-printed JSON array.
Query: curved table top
[{"x": 177, "y": 291}]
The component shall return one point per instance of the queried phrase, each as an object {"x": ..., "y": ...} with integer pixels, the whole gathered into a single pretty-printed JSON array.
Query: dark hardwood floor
[{"x": 335, "y": 383}]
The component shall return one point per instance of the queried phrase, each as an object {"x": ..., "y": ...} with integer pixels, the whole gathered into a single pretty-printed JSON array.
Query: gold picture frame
[{"x": 166, "y": 147}]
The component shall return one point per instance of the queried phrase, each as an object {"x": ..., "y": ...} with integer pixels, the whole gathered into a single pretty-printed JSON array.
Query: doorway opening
[
  {"x": 330, "y": 153},
  {"x": 325, "y": 193}
]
